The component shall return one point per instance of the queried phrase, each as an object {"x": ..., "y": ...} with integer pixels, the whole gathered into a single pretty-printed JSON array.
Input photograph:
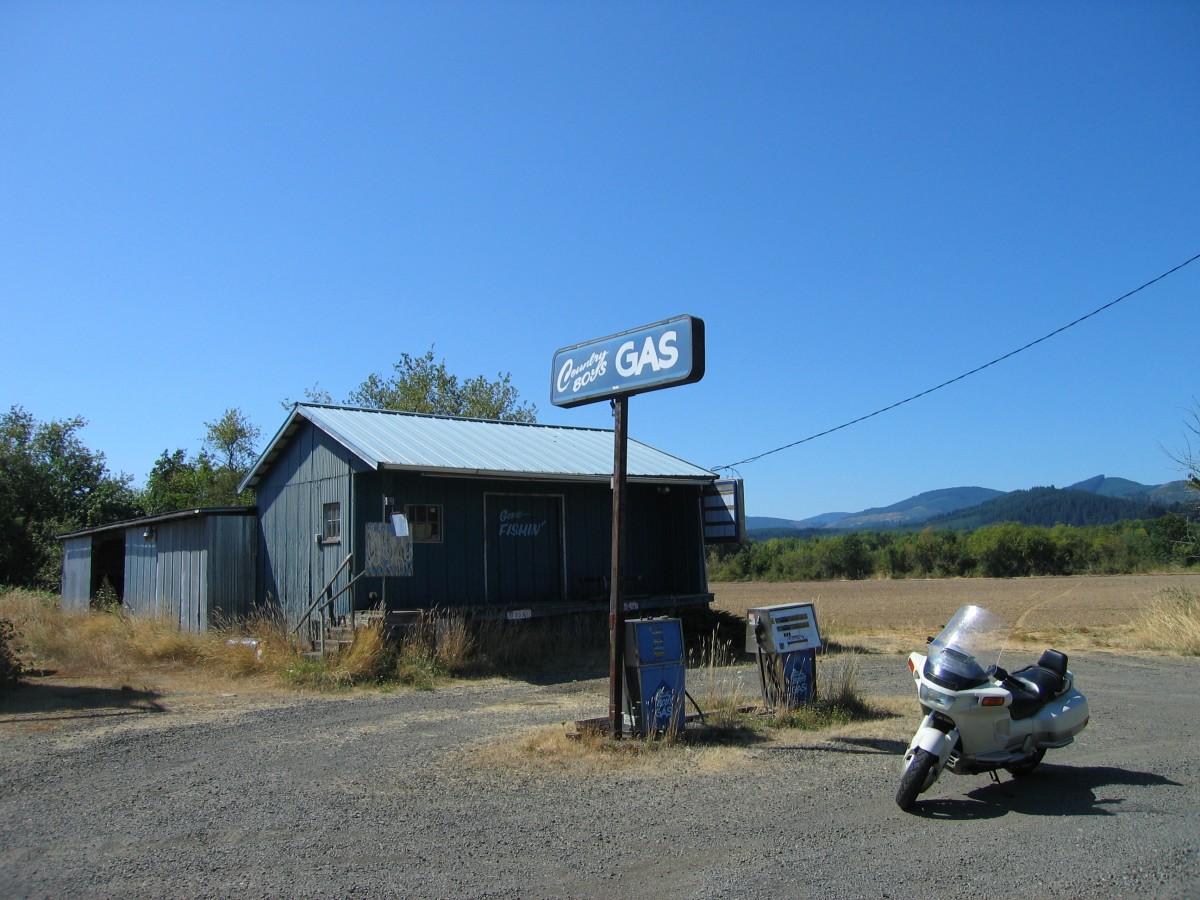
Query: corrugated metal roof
[
  {"x": 190, "y": 513},
  {"x": 398, "y": 440}
]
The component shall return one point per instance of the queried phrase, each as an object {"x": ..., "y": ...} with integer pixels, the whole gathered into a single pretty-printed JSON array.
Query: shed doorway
[
  {"x": 524, "y": 549},
  {"x": 108, "y": 566}
]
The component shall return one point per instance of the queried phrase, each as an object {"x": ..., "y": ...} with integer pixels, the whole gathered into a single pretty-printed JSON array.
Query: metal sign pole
[{"x": 616, "y": 606}]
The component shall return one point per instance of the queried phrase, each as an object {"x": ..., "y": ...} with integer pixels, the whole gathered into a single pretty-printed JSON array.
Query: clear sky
[{"x": 207, "y": 205}]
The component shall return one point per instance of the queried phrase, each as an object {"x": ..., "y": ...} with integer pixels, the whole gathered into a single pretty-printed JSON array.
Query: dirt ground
[
  {"x": 909, "y": 607},
  {"x": 161, "y": 787}
]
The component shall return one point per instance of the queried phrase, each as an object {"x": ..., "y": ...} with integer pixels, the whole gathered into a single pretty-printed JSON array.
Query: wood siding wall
[
  {"x": 664, "y": 555},
  {"x": 313, "y": 470},
  {"x": 77, "y": 574},
  {"x": 193, "y": 571},
  {"x": 231, "y": 542}
]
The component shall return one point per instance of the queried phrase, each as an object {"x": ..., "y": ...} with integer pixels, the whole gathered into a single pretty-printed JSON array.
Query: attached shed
[
  {"x": 192, "y": 566},
  {"x": 498, "y": 517}
]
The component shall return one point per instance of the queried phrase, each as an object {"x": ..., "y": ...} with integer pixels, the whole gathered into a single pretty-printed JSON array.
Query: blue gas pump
[{"x": 654, "y": 675}]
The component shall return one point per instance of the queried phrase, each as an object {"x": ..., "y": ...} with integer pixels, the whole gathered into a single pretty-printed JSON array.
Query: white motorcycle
[{"x": 982, "y": 719}]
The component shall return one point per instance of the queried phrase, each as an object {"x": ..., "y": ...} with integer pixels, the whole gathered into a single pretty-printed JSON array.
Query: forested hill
[{"x": 1048, "y": 506}]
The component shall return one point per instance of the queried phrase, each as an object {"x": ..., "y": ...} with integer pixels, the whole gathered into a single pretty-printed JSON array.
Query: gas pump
[
  {"x": 785, "y": 639},
  {"x": 654, "y": 675}
]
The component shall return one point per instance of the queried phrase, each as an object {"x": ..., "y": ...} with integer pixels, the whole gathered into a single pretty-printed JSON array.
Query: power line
[{"x": 976, "y": 370}]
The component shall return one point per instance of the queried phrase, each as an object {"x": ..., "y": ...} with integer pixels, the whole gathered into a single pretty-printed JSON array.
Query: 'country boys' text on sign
[{"x": 643, "y": 359}]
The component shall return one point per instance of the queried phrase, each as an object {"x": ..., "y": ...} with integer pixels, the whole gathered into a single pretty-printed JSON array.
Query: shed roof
[
  {"x": 385, "y": 439},
  {"x": 173, "y": 515}
]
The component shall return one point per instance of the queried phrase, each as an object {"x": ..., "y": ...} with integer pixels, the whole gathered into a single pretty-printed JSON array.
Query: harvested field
[{"x": 912, "y": 608}]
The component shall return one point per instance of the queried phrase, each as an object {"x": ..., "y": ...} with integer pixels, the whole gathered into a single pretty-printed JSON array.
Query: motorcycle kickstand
[{"x": 995, "y": 776}]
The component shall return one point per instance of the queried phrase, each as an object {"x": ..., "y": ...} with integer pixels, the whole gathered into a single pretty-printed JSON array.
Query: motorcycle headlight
[{"x": 931, "y": 697}]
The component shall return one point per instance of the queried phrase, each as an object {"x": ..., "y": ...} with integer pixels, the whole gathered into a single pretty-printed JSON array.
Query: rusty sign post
[
  {"x": 616, "y": 597},
  {"x": 664, "y": 354}
]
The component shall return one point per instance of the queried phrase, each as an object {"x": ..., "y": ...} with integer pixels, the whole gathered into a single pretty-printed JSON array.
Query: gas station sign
[{"x": 649, "y": 358}]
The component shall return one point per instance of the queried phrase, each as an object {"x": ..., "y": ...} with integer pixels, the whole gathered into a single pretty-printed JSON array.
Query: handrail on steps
[{"x": 325, "y": 590}]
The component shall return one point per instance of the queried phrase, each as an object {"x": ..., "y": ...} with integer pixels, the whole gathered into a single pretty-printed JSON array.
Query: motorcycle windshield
[{"x": 974, "y": 638}]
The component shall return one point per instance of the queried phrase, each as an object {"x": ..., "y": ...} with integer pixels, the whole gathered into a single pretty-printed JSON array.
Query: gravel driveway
[{"x": 398, "y": 794}]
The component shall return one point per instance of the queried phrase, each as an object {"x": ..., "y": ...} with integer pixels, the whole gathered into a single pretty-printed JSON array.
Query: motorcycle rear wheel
[
  {"x": 1020, "y": 770},
  {"x": 917, "y": 778}
]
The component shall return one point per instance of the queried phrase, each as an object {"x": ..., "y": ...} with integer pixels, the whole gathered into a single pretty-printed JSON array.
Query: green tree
[
  {"x": 180, "y": 482},
  {"x": 233, "y": 438},
  {"x": 51, "y": 483},
  {"x": 941, "y": 553},
  {"x": 1000, "y": 550},
  {"x": 423, "y": 384},
  {"x": 211, "y": 478}
]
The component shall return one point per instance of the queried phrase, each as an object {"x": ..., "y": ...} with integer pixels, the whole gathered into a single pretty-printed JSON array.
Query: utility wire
[{"x": 976, "y": 370}]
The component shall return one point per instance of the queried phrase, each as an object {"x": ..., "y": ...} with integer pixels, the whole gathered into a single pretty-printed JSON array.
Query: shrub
[{"x": 11, "y": 669}]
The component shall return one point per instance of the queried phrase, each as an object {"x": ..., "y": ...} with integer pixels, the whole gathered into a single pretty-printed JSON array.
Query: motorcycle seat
[{"x": 1040, "y": 683}]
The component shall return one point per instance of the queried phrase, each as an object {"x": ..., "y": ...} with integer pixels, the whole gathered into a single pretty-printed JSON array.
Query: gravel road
[{"x": 403, "y": 794}]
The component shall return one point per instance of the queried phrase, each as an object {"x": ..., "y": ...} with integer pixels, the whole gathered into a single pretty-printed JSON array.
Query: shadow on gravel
[
  {"x": 553, "y": 677},
  {"x": 865, "y": 746},
  {"x": 1050, "y": 791},
  {"x": 47, "y": 702}
]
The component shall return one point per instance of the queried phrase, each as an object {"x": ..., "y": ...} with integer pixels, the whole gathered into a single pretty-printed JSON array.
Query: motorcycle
[{"x": 981, "y": 719}]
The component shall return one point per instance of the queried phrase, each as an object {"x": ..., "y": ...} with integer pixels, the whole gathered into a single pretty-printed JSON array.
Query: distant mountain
[
  {"x": 1096, "y": 500},
  {"x": 1164, "y": 494},
  {"x": 758, "y": 523},
  {"x": 1048, "y": 506},
  {"x": 1111, "y": 487},
  {"x": 914, "y": 510},
  {"x": 917, "y": 509}
]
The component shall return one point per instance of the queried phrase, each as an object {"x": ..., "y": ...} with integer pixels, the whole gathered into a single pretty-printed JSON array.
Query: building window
[
  {"x": 333, "y": 522},
  {"x": 424, "y": 523}
]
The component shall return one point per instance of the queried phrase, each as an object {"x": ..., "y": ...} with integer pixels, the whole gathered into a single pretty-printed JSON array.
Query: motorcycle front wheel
[{"x": 917, "y": 777}]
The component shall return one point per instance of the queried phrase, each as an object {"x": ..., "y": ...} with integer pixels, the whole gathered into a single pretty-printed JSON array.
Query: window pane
[
  {"x": 424, "y": 522},
  {"x": 333, "y": 521}
]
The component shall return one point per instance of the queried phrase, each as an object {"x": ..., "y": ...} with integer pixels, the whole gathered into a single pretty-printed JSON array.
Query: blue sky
[{"x": 215, "y": 205}]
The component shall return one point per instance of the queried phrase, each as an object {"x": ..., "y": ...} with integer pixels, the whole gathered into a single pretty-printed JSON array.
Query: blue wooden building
[
  {"x": 408, "y": 511},
  {"x": 192, "y": 566}
]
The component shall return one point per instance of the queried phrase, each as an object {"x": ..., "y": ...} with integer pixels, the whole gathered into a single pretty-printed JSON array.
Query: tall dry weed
[
  {"x": 1172, "y": 623},
  {"x": 364, "y": 660},
  {"x": 837, "y": 681},
  {"x": 454, "y": 643},
  {"x": 115, "y": 644},
  {"x": 720, "y": 689}
]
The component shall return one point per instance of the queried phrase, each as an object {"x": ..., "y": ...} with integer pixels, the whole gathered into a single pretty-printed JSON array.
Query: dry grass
[
  {"x": 1172, "y": 623},
  {"x": 1121, "y": 613},
  {"x": 719, "y": 688},
  {"x": 115, "y": 647},
  {"x": 1087, "y": 612},
  {"x": 569, "y": 751},
  {"x": 553, "y": 749},
  {"x": 731, "y": 727}
]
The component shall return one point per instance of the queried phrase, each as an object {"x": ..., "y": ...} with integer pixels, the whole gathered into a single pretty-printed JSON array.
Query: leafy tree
[
  {"x": 423, "y": 384},
  {"x": 233, "y": 438},
  {"x": 1174, "y": 539},
  {"x": 941, "y": 553},
  {"x": 51, "y": 483},
  {"x": 177, "y": 482},
  {"x": 211, "y": 478}
]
